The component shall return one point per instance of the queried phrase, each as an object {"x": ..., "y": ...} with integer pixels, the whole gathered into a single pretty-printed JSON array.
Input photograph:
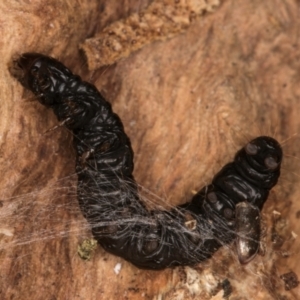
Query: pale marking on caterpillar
[
  {"x": 221, "y": 212},
  {"x": 248, "y": 231}
]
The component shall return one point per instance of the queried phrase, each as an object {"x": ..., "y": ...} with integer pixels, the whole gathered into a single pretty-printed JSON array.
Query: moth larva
[{"x": 107, "y": 191}]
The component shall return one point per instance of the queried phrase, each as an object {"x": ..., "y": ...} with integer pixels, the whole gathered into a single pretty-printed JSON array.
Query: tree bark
[{"x": 188, "y": 103}]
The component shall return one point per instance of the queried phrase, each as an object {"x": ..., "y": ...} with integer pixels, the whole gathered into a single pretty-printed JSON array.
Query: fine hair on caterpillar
[{"x": 228, "y": 209}]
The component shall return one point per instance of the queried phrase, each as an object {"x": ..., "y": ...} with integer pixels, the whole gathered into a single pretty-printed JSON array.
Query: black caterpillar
[{"x": 226, "y": 210}]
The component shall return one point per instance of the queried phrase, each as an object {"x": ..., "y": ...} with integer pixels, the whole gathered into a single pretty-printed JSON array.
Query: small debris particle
[
  {"x": 227, "y": 288},
  {"x": 6, "y": 231},
  {"x": 294, "y": 235},
  {"x": 285, "y": 254},
  {"x": 86, "y": 249},
  {"x": 290, "y": 280},
  {"x": 117, "y": 268},
  {"x": 190, "y": 222}
]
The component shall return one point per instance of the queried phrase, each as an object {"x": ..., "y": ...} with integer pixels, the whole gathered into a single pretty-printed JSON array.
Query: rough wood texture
[
  {"x": 162, "y": 19},
  {"x": 188, "y": 104}
]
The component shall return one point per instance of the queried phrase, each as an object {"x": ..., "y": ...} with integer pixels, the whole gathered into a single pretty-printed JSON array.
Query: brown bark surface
[{"x": 188, "y": 104}]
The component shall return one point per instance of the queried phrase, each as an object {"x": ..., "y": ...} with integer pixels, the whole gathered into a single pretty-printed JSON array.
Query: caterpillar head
[
  {"x": 43, "y": 75},
  {"x": 265, "y": 152},
  {"x": 260, "y": 161}
]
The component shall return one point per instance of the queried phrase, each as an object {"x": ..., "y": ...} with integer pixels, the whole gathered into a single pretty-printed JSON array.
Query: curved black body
[{"x": 107, "y": 191}]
